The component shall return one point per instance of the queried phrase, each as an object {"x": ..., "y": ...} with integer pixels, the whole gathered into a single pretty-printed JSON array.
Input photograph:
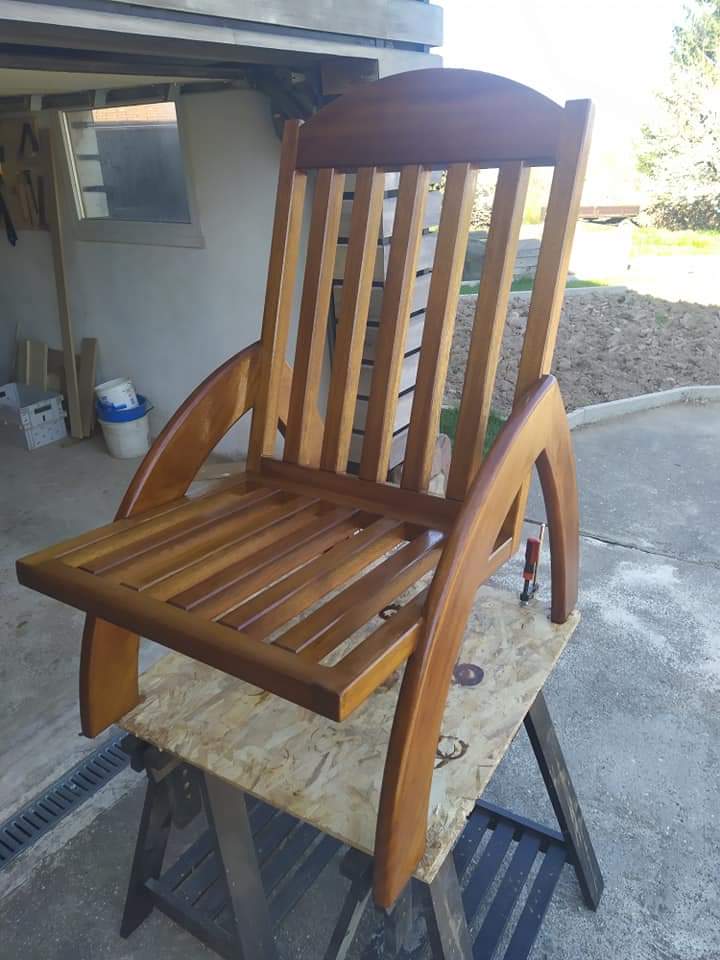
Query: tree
[{"x": 681, "y": 151}]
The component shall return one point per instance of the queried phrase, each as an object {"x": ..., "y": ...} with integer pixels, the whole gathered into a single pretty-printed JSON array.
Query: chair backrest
[{"x": 414, "y": 123}]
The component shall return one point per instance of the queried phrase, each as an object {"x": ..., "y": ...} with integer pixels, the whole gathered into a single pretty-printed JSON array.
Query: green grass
[
  {"x": 651, "y": 241},
  {"x": 449, "y": 420},
  {"x": 526, "y": 283}
]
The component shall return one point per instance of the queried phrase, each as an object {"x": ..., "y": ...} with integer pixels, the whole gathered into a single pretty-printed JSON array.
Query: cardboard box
[{"x": 31, "y": 417}]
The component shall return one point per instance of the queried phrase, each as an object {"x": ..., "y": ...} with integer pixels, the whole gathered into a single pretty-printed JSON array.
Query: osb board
[{"x": 329, "y": 774}]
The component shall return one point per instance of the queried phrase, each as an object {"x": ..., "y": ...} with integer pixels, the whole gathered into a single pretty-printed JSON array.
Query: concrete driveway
[{"x": 635, "y": 701}]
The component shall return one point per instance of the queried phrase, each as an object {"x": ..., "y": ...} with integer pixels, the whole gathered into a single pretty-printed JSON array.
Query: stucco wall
[{"x": 166, "y": 316}]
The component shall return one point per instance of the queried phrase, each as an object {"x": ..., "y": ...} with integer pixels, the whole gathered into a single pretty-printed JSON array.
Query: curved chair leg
[
  {"x": 556, "y": 469},
  {"x": 536, "y": 433},
  {"x": 108, "y": 674}
]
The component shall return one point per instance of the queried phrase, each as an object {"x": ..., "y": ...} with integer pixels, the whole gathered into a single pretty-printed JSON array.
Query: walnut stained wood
[{"x": 279, "y": 577}]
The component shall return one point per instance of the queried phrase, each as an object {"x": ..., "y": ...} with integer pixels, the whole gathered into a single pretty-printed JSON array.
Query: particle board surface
[{"x": 329, "y": 774}]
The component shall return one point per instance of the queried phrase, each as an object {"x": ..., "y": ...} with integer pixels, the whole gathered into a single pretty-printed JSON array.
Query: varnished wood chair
[{"x": 270, "y": 577}]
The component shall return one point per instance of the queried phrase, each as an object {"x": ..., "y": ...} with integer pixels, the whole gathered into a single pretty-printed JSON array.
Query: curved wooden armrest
[
  {"x": 536, "y": 433},
  {"x": 109, "y": 660},
  {"x": 192, "y": 432}
]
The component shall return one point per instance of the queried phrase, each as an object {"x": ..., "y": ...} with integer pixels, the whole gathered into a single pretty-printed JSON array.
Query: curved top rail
[{"x": 433, "y": 117}]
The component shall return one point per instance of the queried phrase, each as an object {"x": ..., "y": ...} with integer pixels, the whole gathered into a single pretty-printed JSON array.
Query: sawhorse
[{"x": 253, "y": 863}]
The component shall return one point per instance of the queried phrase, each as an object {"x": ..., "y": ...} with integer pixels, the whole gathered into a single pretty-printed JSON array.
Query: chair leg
[
  {"x": 228, "y": 820},
  {"x": 448, "y": 931},
  {"x": 351, "y": 914},
  {"x": 551, "y": 761},
  {"x": 397, "y": 924},
  {"x": 150, "y": 847}
]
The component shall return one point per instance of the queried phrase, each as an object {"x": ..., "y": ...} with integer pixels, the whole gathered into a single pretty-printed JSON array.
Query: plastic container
[
  {"x": 118, "y": 394},
  {"x": 126, "y": 432},
  {"x": 31, "y": 417}
]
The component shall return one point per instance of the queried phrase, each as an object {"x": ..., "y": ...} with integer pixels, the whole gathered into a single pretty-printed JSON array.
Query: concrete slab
[
  {"x": 49, "y": 494},
  {"x": 650, "y": 480},
  {"x": 635, "y": 703}
]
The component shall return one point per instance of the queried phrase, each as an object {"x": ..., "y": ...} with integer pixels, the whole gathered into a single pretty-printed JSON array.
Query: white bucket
[
  {"x": 130, "y": 438},
  {"x": 118, "y": 394}
]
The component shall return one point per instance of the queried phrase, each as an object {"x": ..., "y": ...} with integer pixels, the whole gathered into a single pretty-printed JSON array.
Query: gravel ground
[{"x": 609, "y": 346}]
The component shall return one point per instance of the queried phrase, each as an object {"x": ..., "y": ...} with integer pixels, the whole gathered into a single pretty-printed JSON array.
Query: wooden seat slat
[
  {"x": 324, "y": 629},
  {"x": 379, "y": 654},
  {"x": 171, "y": 557},
  {"x": 212, "y": 567},
  {"x": 222, "y": 590},
  {"x": 187, "y": 517},
  {"x": 288, "y": 597}
]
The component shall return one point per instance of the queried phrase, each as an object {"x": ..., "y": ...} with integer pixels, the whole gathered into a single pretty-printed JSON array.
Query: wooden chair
[{"x": 274, "y": 578}]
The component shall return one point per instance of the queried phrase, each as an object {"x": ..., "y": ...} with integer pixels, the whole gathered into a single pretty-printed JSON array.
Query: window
[{"x": 128, "y": 175}]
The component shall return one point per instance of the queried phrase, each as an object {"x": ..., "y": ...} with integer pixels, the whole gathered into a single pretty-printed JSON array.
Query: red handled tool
[{"x": 532, "y": 559}]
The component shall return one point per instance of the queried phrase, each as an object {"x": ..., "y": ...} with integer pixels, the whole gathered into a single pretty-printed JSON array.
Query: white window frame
[{"x": 134, "y": 231}]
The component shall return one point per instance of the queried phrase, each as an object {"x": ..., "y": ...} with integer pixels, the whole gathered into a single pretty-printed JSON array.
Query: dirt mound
[{"x": 609, "y": 346}]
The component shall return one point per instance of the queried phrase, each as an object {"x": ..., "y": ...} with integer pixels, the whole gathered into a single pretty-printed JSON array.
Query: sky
[{"x": 615, "y": 52}]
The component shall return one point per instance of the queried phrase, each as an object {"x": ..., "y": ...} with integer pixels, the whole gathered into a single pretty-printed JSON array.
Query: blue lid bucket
[
  {"x": 112, "y": 414},
  {"x": 126, "y": 432}
]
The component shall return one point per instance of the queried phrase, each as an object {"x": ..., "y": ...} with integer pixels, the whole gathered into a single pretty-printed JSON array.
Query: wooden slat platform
[
  {"x": 329, "y": 774},
  {"x": 269, "y": 576}
]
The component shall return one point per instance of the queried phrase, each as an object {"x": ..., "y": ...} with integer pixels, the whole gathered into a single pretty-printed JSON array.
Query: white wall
[{"x": 166, "y": 316}]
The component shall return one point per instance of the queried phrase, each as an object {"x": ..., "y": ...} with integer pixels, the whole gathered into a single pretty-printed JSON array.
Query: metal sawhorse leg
[{"x": 252, "y": 864}]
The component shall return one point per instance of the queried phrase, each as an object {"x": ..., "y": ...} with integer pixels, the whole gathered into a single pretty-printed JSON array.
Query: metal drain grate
[{"x": 71, "y": 790}]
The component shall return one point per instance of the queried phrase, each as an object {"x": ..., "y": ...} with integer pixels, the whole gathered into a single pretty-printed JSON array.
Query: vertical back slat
[
  {"x": 302, "y": 445},
  {"x": 549, "y": 286},
  {"x": 284, "y": 251},
  {"x": 488, "y": 325},
  {"x": 439, "y": 324},
  {"x": 352, "y": 323},
  {"x": 394, "y": 315}
]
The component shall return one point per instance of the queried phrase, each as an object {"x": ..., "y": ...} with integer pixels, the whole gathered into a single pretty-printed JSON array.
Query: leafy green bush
[{"x": 686, "y": 213}]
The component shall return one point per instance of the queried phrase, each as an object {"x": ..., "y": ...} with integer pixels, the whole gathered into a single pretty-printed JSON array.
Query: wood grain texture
[
  {"x": 392, "y": 332},
  {"x": 192, "y": 432},
  {"x": 425, "y": 509},
  {"x": 439, "y": 326},
  {"x": 488, "y": 327},
  {"x": 109, "y": 656},
  {"x": 536, "y": 431},
  {"x": 423, "y": 116},
  {"x": 51, "y": 150},
  {"x": 218, "y": 595},
  {"x": 152, "y": 560},
  {"x": 290, "y": 596},
  {"x": 302, "y": 442},
  {"x": 86, "y": 383},
  {"x": 367, "y": 207},
  {"x": 278, "y": 578},
  {"x": 370, "y": 663},
  {"x": 282, "y": 268},
  {"x": 273, "y": 749},
  {"x": 325, "y": 629},
  {"x": 551, "y": 275}
]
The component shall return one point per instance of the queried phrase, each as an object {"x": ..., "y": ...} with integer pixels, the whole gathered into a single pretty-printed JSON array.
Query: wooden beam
[
  {"x": 50, "y": 151},
  {"x": 86, "y": 383}
]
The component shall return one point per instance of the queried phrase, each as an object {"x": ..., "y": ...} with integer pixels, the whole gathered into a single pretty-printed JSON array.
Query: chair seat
[{"x": 285, "y": 588}]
